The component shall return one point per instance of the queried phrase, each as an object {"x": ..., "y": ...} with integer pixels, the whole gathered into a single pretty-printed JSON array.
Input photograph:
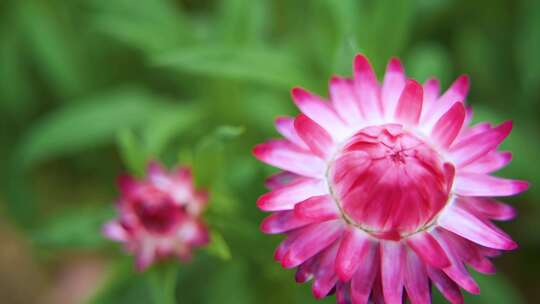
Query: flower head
[
  {"x": 385, "y": 188},
  {"x": 159, "y": 216}
]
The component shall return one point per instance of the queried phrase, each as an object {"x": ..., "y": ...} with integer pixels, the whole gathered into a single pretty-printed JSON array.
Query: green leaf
[
  {"x": 261, "y": 65},
  {"x": 149, "y": 25},
  {"x": 384, "y": 29},
  {"x": 429, "y": 60},
  {"x": 208, "y": 159},
  {"x": 132, "y": 152},
  {"x": 123, "y": 286},
  {"x": 218, "y": 246},
  {"x": 78, "y": 228},
  {"x": 84, "y": 125}
]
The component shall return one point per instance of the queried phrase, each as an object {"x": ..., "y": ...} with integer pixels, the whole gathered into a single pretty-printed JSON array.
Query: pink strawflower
[
  {"x": 385, "y": 189},
  {"x": 159, "y": 216}
]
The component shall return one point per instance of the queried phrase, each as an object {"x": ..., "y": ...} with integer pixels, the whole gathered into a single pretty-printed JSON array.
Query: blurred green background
[{"x": 93, "y": 88}]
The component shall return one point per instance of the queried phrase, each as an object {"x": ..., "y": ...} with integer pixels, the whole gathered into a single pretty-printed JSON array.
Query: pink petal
[
  {"x": 470, "y": 253},
  {"x": 416, "y": 280},
  {"x": 431, "y": 92},
  {"x": 315, "y": 137},
  {"x": 283, "y": 221},
  {"x": 409, "y": 106},
  {"x": 355, "y": 246},
  {"x": 449, "y": 125},
  {"x": 325, "y": 277},
  {"x": 313, "y": 239},
  {"x": 489, "y": 163},
  {"x": 344, "y": 100},
  {"x": 463, "y": 223},
  {"x": 284, "y": 246},
  {"x": 319, "y": 111},
  {"x": 305, "y": 271},
  {"x": 392, "y": 86},
  {"x": 286, "y": 156},
  {"x": 127, "y": 184},
  {"x": 285, "y": 197},
  {"x": 469, "y": 149},
  {"x": 364, "y": 277},
  {"x": 457, "y": 270},
  {"x": 280, "y": 179},
  {"x": 319, "y": 208},
  {"x": 427, "y": 247},
  {"x": 488, "y": 208},
  {"x": 473, "y": 184},
  {"x": 392, "y": 259},
  {"x": 448, "y": 288},
  {"x": 367, "y": 88},
  {"x": 456, "y": 93},
  {"x": 343, "y": 295},
  {"x": 144, "y": 257},
  {"x": 113, "y": 230},
  {"x": 285, "y": 127}
]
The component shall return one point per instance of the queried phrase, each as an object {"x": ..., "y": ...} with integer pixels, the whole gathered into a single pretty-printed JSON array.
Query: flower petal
[
  {"x": 364, "y": 277},
  {"x": 285, "y": 197},
  {"x": 470, "y": 148},
  {"x": 488, "y": 208},
  {"x": 286, "y": 156},
  {"x": 416, "y": 280},
  {"x": 427, "y": 247},
  {"x": 457, "y": 271},
  {"x": 392, "y": 86},
  {"x": 367, "y": 88},
  {"x": 409, "y": 106},
  {"x": 489, "y": 163},
  {"x": 448, "y": 288},
  {"x": 320, "y": 208},
  {"x": 285, "y": 127},
  {"x": 456, "y": 93},
  {"x": 463, "y": 223},
  {"x": 283, "y": 221},
  {"x": 449, "y": 125},
  {"x": 355, "y": 246},
  {"x": 313, "y": 239},
  {"x": 114, "y": 231},
  {"x": 319, "y": 111},
  {"x": 392, "y": 259},
  {"x": 315, "y": 137},
  {"x": 473, "y": 184},
  {"x": 345, "y": 101},
  {"x": 325, "y": 277}
]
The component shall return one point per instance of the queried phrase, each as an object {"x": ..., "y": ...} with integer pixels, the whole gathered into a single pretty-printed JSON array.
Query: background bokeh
[{"x": 93, "y": 88}]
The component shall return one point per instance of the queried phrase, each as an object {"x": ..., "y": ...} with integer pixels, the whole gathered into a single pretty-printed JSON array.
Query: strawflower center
[
  {"x": 158, "y": 213},
  {"x": 388, "y": 182}
]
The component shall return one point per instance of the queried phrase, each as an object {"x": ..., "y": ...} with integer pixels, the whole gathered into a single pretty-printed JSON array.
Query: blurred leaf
[
  {"x": 84, "y": 125},
  {"x": 124, "y": 286},
  {"x": 55, "y": 52},
  {"x": 80, "y": 228},
  {"x": 132, "y": 152},
  {"x": 168, "y": 123},
  {"x": 429, "y": 60},
  {"x": 218, "y": 246},
  {"x": 230, "y": 285},
  {"x": 528, "y": 48},
  {"x": 208, "y": 159},
  {"x": 384, "y": 29},
  {"x": 149, "y": 25},
  {"x": 242, "y": 21},
  {"x": 260, "y": 65}
]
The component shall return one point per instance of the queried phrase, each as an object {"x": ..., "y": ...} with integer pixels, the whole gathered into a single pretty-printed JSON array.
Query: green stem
[{"x": 162, "y": 281}]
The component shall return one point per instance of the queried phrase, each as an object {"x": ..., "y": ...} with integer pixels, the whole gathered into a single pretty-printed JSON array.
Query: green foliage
[{"x": 91, "y": 88}]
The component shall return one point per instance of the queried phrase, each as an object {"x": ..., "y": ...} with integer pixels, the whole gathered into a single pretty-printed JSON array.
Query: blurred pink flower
[
  {"x": 159, "y": 216},
  {"x": 385, "y": 188}
]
